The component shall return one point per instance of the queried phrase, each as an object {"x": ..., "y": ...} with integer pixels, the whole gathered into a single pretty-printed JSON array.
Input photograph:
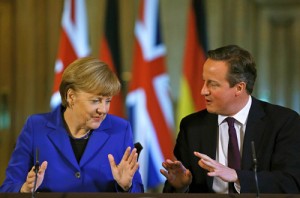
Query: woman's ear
[{"x": 70, "y": 96}]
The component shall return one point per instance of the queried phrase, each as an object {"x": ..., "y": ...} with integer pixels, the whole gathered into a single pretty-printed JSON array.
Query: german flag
[
  {"x": 110, "y": 51},
  {"x": 190, "y": 99}
]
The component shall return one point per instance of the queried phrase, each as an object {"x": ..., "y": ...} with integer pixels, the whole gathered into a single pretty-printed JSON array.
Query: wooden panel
[
  {"x": 6, "y": 92},
  {"x": 37, "y": 27},
  {"x": 53, "y": 17},
  {"x": 26, "y": 72}
]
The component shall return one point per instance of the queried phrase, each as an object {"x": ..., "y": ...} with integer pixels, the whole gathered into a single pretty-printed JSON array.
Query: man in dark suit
[{"x": 202, "y": 147}]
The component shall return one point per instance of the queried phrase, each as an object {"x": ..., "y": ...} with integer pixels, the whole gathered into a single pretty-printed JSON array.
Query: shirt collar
[{"x": 241, "y": 116}]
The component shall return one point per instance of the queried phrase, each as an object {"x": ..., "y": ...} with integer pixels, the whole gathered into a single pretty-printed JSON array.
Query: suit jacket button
[{"x": 77, "y": 175}]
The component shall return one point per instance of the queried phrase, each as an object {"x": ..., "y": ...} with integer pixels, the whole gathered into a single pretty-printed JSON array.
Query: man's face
[{"x": 220, "y": 98}]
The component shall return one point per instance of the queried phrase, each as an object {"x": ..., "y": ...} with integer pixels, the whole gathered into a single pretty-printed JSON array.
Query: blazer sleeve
[
  {"x": 137, "y": 184},
  {"x": 20, "y": 163}
]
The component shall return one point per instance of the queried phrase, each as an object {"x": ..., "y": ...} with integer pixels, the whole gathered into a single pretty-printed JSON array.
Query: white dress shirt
[{"x": 219, "y": 185}]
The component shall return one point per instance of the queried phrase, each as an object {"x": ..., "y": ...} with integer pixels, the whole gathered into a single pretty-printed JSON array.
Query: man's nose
[{"x": 204, "y": 90}]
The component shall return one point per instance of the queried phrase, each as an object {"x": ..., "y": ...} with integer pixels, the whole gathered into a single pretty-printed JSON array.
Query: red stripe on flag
[
  {"x": 194, "y": 59},
  {"x": 144, "y": 73},
  {"x": 66, "y": 54},
  {"x": 149, "y": 103},
  {"x": 73, "y": 7},
  {"x": 105, "y": 54},
  {"x": 109, "y": 49},
  {"x": 73, "y": 42},
  {"x": 117, "y": 103}
]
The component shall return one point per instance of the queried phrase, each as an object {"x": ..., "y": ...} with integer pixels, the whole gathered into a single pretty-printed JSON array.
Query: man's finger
[
  {"x": 164, "y": 173},
  {"x": 201, "y": 155}
]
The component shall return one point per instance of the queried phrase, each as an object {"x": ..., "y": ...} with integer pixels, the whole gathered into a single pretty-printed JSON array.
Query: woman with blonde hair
[{"x": 81, "y": 147}]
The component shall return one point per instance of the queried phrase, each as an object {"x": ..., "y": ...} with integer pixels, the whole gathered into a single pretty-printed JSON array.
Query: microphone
[
  {"x": 36, "y": 170},
  {"x": 255, "y": 167},
  {"x": 139, "y": 148}
]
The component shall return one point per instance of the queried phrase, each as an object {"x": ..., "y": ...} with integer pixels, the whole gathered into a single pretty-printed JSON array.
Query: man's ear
[{"x": 240, "y": 88}]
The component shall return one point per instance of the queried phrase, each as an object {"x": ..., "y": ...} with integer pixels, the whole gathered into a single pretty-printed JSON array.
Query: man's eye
[{"x": 213, "y": 84}]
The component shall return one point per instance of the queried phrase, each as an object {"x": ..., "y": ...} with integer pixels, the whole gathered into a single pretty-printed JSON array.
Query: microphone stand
[
  {"x": 36, "y": 171},
  {"x": 255, "y": 168}
]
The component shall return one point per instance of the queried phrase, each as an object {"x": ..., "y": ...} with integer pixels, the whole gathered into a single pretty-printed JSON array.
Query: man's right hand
[{"x": 177, "y": 175}]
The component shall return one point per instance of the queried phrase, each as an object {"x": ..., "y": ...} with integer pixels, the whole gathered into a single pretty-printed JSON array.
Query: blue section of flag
[
  {"x": 155, "y": 178},
  {"x": 148, "y": 101}
]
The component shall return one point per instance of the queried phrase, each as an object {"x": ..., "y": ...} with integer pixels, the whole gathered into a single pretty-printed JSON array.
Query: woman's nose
[{"x": 102, "y": 107}]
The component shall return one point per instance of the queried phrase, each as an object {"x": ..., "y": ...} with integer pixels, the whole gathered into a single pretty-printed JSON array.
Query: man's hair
[{"x": 241, "y": 65}]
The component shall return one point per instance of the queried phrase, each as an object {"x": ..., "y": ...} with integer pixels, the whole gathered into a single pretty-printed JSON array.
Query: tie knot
[{"x": 230, "y": 121}]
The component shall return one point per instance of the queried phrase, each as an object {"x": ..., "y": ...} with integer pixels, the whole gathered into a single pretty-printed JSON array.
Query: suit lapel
[
  {"x": 205, "y": 135},
  {"x": 212, "y": 137},
  {"x": 209, "y": 136},
  {"x": 255, "y": 127}
]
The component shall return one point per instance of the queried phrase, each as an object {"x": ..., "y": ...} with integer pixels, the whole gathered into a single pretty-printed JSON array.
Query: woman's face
[{"x": 89, "y": 110}]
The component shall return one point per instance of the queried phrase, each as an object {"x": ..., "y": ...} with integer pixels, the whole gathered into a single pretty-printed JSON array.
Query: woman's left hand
[{"x": 125, "y": 170}]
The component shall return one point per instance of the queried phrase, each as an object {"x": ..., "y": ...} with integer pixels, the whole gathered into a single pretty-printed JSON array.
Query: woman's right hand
[{"x": 29, "y": 183}]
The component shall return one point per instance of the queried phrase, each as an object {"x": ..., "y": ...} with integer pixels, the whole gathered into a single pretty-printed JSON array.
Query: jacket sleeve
[
  {"x": 279, "y": 172},
  {"x": 137, "y": 184},
  {"x": 20, "y": 162}
]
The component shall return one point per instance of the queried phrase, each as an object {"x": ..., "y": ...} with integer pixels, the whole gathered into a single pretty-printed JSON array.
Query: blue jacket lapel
[
  {"x": 97, "y": 140},
  {"x": 60, "y": 138}
]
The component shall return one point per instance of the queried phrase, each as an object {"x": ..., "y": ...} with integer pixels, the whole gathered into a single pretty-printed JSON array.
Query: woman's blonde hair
[{"x": 90, "y": 75}]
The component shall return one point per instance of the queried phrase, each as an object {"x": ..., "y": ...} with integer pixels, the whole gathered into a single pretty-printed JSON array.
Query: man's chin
[{"x": 211, "y": 110}]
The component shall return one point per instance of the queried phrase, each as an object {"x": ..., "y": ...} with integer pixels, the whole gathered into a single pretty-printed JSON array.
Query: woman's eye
[{"x": 95, "y": 101}]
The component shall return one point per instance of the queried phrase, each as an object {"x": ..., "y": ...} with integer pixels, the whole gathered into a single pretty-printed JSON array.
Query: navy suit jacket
[
  {"x": 275, "y": 131},
  {"x": 64, "y": 174}
]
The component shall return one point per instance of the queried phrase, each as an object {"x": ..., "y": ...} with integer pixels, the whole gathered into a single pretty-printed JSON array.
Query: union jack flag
[
  {"x": 148, "y": 101},
  {"x": 74, "y": 42}
]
